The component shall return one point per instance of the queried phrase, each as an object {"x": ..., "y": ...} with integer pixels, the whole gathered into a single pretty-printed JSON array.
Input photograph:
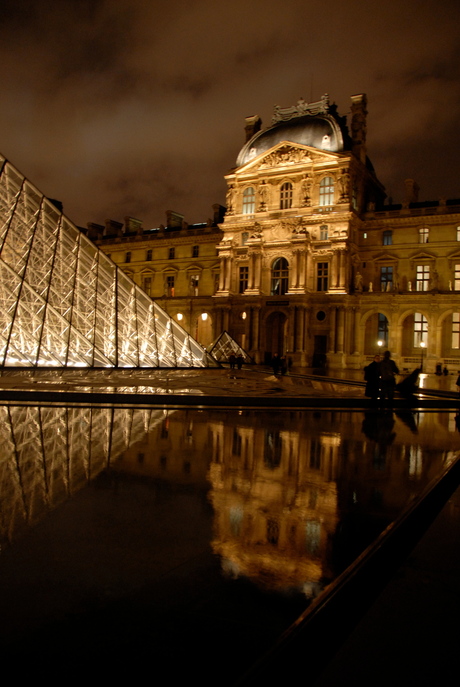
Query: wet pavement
[{"x": 158, "y": 546}]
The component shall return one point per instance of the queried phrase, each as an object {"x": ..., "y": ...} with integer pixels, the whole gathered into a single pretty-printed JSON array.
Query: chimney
[
  {"x": 113, "y": 228},
  {"x": 133, "y": 226},
  {"x": 94, "y": 231},
  {"x": 359, "y": 126},
  {"x": 412, "y": 189},
  {"x": 174, "y": 219},
  {"x": 219, "y": 213},
  {"x": 253, "y": 126}
]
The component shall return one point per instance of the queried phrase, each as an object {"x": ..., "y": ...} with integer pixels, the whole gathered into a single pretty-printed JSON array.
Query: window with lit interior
[
  {"x": 170, "y": 285},
  {"x": 456, "y": 330},
  {"x": 280, "y": 277},
  {"x": 420, "y": 329},
  {"x": 423, "y": 234},
  {"x": 422, "y": 279},
  {"x": 249, "y": 202},
  {"x": 326, "y": 192}
]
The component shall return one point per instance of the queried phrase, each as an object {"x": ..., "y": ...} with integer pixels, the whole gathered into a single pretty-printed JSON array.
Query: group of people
[
  {"x": 235, "y": 361},
  {"x": 279, "y": 364},
  {"x": 380, "y": 378}
]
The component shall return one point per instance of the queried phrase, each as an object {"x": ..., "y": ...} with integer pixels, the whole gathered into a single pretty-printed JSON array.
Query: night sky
[{"x": 133, "y": 107}]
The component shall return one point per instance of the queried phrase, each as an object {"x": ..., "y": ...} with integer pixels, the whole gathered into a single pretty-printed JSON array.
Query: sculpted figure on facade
[
  {"x": 344, "y": 186},
  {"x": 230, "y": 199},
  {"x": 305, "y": 190},
  {"x": 358, "y": 282},
  {"x": 263, "y": 196}
]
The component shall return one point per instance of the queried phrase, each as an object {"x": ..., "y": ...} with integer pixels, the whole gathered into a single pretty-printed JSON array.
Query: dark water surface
[{"x": 185, "y": 542}]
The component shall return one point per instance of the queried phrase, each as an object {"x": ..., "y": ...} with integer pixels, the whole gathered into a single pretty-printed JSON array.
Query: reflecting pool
[{"x": 187, "y": 541}]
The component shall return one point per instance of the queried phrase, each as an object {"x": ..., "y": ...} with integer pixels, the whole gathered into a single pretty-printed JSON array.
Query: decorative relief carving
[
  {"x": 284, "y": 114},
  {"x": 285, "y": 155}
]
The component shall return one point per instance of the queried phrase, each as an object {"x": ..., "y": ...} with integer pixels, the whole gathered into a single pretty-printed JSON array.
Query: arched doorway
[
  {"x": 275, "y": 335},
  {"x": 377, "y": 330}
]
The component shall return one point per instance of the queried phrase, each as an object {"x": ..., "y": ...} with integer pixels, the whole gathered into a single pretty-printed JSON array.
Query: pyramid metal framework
[
  {"x": 224, "y": 346},
  {"x": 50, "y": 453},
  {"x": 63, "y": 302}
]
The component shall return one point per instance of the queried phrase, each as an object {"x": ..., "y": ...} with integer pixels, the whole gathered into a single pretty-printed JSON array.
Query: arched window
[
  {"x": 280, "y": 277},
  {"x": 420, "y": 330},
  {"x": 326, "y": 192},
  {"x": 286, "y": 196},
  {"x": 249, "y": 202}
]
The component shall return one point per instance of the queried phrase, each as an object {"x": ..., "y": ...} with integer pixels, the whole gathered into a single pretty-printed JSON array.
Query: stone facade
[{"x": 308, "y": 261}]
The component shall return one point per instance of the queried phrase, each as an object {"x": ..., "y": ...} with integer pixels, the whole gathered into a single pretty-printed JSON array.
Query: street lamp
[
  {"x": 422, "y": 346},
  {"x": 380, "y": 344}
]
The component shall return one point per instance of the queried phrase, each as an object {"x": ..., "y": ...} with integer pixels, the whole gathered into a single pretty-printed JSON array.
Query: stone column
[
  {"x": 255, "y": 322},
  {"x": 223, "y": 261},
  {"x": 342, "y": 274},
  {"x": 341, "y": 330},
  {"x": 332, "y": 316},
  {"x": 299, "y": 329},
  {"x": 334, "y": 270}
]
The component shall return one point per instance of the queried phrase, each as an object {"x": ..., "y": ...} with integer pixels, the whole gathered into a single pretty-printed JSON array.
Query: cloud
[{"x": 132, "y": 107}]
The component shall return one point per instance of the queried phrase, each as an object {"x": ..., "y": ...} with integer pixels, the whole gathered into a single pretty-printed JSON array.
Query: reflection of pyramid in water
[
  {"x": 64, "y": 303},
  {"x": 224, "y": 346}
]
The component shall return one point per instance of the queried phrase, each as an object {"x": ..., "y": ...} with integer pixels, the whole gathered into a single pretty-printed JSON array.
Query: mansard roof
[{"x": 312, "y": 124}]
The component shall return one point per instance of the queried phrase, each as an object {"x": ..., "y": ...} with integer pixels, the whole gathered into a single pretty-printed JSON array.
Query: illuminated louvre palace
[
  {"x": 64, "y": 303},
  {"x": 312, "y": 261}
]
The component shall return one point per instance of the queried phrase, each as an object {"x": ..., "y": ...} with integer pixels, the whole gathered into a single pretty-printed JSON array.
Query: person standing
[
  {"x": 372, "y": 378},
  {"x": 388, "y": 372}
]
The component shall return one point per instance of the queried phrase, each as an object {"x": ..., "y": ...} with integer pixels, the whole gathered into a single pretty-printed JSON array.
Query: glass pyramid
[
  {"x": 224, "y": 346},
  {"x": 63, "y": 302}
]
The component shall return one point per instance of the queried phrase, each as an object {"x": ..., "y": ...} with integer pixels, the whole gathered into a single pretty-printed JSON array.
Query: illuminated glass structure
[{"x": 64, "y": 303}]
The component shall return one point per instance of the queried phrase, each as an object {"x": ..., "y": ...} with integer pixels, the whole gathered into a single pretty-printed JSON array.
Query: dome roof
[{"x": 324, "y": 130}]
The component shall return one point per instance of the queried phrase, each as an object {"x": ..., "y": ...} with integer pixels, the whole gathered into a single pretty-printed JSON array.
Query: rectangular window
[
  {"x": 244, "y": 279},
  {"x": 216, "y": 282},
  {"x": 323, "y": 232},
  {"x": 387, "y": 238},
  {"x": 148, "y": 255},
  {"x": 322, "y": 276},
  {"x": 170, "y": 285},
  {"x": 244, "y": 237},
  {"x": 457, "y": 278},
  {"x": 195, "y": 251},
  {"x": 386, "y": 278},
  {"x": 128, "y": 257},
  {"x": 423, "y": 233},
  {"x": 422, "y": 279},
  {"x": 172, "y": 253},
  {"x": 456, "y": 330},
  {"x": 147, "y": 285}
]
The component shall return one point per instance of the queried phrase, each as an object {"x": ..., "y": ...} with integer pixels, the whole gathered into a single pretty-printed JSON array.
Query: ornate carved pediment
[
  {"x": 287, "y": 154},
  {"x": 385, "y": 257}
]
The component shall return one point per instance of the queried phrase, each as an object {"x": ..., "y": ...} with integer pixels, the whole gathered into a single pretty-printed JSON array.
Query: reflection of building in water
[
  {"x": 50, "y": 453},
  {"x": 295, "y": 494},
  {"x": 295, "y": 501},
  {"x": 275, "y": 498}
]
